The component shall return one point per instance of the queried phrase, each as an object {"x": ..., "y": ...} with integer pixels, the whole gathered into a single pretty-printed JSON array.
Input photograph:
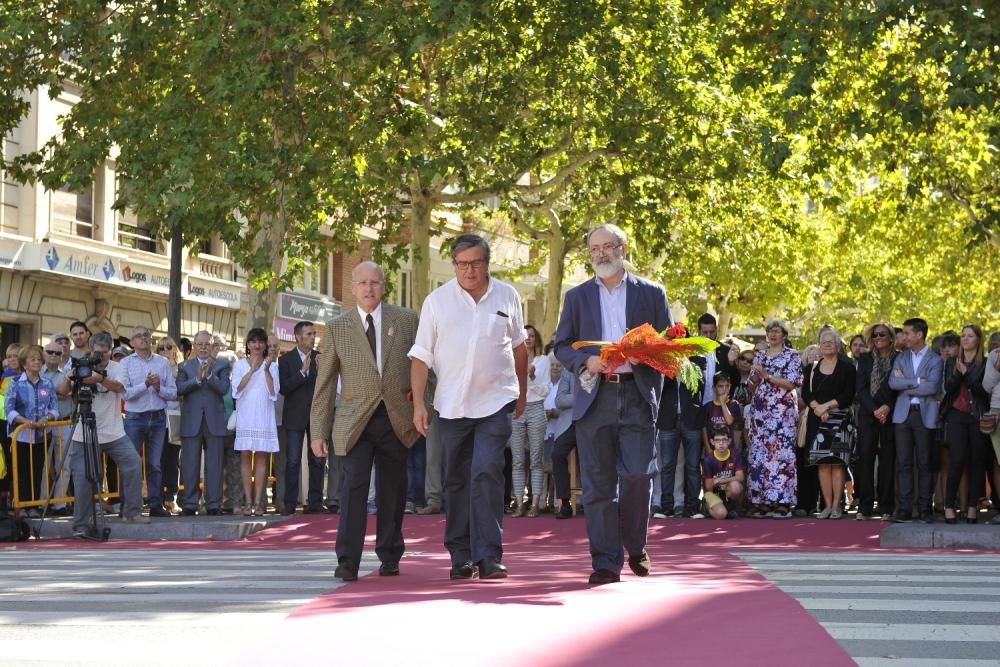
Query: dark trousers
[
  {"x": 170, "y": 469},
  {"x": 671, "y": 440},
  {"x": 293, "y": 470},
  {"x": 616, "y": 443},
  {"x": 807, "y": 477},
  {"x": 914, "y": 441},
  {"x": 30, "y": 464},
  {"x": 876, "y": 442},
  {"x": 191, "y": 452},
  {"x": 474, "y": 484},
  {"x": 967, "y": 450},
  {"x": 416, "y": 472},
  {"x": 378, "y": 444},
  {"x": 564, "y": 444}
]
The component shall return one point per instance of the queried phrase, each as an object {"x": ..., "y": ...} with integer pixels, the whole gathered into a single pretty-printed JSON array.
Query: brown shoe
[
  {"x": 533, "y": 512},
  {"x": 640, "y": 564},
  {"x": 518, "y": 511},
  {"x": 429, "y": 509}
]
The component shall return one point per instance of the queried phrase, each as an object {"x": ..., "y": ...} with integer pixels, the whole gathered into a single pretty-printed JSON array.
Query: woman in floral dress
[{"x": 777, "y": 373}]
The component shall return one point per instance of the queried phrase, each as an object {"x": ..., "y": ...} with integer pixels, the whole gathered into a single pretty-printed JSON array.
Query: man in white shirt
[
  {"x": 472, "y": 334},
  {"x": 107, "y": 384},
  {"x": 149, "y": 384}
]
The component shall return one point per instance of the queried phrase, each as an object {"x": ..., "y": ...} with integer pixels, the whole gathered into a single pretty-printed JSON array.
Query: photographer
[{"x": 106, "y": 379}]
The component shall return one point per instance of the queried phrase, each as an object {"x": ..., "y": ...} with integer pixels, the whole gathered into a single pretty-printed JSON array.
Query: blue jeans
[
  {"x": 416, "y": 470},
  {"x": 294, "y": 440},
  {"x": 149, "y": 428},
  {"x": 670, "y": 441}
]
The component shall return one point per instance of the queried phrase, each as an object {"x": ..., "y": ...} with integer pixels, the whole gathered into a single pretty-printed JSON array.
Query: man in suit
[
  {"x": 615, "y": 420},
  {"x": 916, "y": 375},
  {"x": 373, "y": 422},
  {"x": 201, "y": 383},
  {"x": 472, "y": 335},
  {"x": 297, "y": 375}
]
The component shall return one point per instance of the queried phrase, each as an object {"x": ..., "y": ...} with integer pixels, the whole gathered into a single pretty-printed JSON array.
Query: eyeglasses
[
  {"x": 606, "y": 249},
  {"x": 879, "y": 334},
  {"x": 475, "y": 265},
  {"x": 142, "y": 335}
]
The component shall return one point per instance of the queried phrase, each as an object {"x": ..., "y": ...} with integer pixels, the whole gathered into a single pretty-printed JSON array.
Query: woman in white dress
[{"x": 255, "y": 388}]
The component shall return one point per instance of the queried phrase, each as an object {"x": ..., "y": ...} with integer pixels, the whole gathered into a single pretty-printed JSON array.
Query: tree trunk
[
  {"x": 420, "y": 245},
  {"x": 263, "y": 301},
  {"x": 553, "y": 289},
  {"x": 176, "y": 274}
]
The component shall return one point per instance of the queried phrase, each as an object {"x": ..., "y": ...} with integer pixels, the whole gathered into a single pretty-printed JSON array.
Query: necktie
[{"x": 370, "y": 333}]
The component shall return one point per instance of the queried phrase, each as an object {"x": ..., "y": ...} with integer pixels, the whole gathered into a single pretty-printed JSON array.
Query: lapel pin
[{"x": 392, "y": 331}]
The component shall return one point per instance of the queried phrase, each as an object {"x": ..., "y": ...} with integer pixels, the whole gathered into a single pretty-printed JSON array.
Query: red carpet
[{"x": 700, "y": 604}]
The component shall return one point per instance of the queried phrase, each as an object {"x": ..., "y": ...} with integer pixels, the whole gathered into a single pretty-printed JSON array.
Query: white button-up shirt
[
  {"x": 377, "y": 320},
  {"x": 613, "y": 316},
  {"x": 917, "y": 358},
  {"x": 470, "y": 346}
]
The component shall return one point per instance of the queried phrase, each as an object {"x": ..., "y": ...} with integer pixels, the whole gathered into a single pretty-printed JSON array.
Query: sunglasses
[
  {"x": 164, "y": 347},
  {"x": 880, "y": 334},
  {"x": 749, "y": 360},
  {"x": 55, "y": 352}
]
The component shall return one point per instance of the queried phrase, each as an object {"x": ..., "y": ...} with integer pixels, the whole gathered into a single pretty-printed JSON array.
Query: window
[
  {"x": 132, "y": 234},
  {"x": 73, "y": 212},
  {"x": 9, "y": 190},
  {"x": 404, "y": 295}
]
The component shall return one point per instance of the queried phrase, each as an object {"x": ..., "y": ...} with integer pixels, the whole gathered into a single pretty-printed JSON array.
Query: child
[
  {"x": 723, "y": 414},
  {"x": 723, "y": 473}
]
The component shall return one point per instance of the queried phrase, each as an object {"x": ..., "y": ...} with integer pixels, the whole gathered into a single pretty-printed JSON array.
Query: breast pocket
[{"x": 493, "y": 327}]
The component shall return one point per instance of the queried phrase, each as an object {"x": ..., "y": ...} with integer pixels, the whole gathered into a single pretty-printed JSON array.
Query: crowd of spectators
[{"x": 884, "y": 424}]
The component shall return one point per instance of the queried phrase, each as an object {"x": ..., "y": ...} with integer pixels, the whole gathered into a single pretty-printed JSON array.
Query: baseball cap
[
  {"x": 119, "y": 350},
  {"x": 59, "y": 336}
]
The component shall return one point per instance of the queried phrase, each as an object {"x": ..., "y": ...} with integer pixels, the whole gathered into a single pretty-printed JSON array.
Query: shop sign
[
  {"x": 299, "y": 307},
  {"x": 227, "y": 295},
  {"x": 17, "y": 255},
  {"x": 284, "y": 329}
]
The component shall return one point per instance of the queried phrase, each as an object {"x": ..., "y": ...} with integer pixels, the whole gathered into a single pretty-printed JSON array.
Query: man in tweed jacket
[{"x": 366, "y": 348}]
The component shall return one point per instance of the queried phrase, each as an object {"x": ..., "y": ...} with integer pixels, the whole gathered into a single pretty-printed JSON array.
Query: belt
[{"x": 618, "y": 378}]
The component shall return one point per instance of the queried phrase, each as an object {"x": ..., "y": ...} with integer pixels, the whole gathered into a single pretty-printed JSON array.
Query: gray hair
[
  {"x": 466, "y": 241},
  {"x": 612, "y": 229},
  {"x": 370, "y": 265},
  {"x": 103, "y": 339},
  {"x": 204, "y": 333},
  {"x": 780, "y": 324}
]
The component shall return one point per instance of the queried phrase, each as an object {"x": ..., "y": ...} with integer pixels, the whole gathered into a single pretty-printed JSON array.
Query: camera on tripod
[{"x": 83, "y": 367}]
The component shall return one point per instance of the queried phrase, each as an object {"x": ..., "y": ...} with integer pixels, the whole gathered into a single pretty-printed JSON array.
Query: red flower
[{"x": 677, "y": 331}]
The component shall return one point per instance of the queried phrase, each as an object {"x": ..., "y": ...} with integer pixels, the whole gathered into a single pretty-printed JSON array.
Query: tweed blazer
[{"x": 346, "y": 355}]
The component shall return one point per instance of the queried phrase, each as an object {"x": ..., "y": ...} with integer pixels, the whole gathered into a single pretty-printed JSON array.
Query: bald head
[
  {"x": 368, "y": 285},
  {"x": 366, "y": 268}
]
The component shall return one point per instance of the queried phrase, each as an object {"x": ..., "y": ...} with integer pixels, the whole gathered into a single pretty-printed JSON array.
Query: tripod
[{"x": 93, "y": 469}]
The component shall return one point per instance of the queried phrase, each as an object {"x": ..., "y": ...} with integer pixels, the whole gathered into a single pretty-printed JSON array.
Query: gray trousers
[
  {"x": 474, "y": 481},
  {"x": 616, "y": 441},
  {"x": 433, "y": 480},
  {"x": 124, "y": 454},
  {"x": 191, "y": 449}
]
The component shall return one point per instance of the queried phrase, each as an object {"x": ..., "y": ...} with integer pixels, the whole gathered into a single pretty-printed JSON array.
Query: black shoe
[
  {"x": 640, "y": 564},
  {"x": 186, "y": 512},
  {"x": 226, "y": 510},
  {"x": 490, "y": 568},
  {"x": 332, "y": 509},
  {"x": 346, "y": 571},
  {"x": 159, "y": 511},
  {"x": 287, "y": 511},
  {"x": 313, "y": 509},
  {"x": 212, "y": 512},
  {"x": 566, "y": 512},
  {"x": 601, "y": 577},
  {"x": 465, "y": 570},
  {"x": 388, "y": 570},
  {"x": 902, "y": 517},
  {"x": 925, "y": 517}
]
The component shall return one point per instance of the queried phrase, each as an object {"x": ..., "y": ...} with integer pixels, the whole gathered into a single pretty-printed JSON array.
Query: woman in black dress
[{"x": 828, "y": 390}]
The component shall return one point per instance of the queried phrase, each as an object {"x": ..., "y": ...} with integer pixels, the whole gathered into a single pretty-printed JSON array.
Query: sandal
[
  {"x": 247, "y": 510},
  {"x": 532, "y": 512},
  {"x": 518, "y": 511},
  {"x": 261, "y": 508},
  {"x": 781, "y": 512}
]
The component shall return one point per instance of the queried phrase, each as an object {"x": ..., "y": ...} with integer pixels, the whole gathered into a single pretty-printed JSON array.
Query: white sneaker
[
  {"x": 825, "y": 514},
  {"x": 697, "y": 515},
  {"x": 659, "y": 515}
]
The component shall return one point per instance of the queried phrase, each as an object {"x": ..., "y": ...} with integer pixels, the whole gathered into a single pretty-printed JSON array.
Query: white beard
[{"x": 608, "y": 268}]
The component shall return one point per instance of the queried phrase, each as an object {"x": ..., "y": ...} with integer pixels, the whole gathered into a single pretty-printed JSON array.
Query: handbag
[
  {"x": 231, "y": 422},
  {"x": 833, "y": 437},
  {"x": 988, "y": 423}
]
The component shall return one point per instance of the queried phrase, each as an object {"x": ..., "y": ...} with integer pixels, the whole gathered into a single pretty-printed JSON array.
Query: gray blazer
[
  {"x": 204, "y": 399},
  {"x": 923, "y": 382}
]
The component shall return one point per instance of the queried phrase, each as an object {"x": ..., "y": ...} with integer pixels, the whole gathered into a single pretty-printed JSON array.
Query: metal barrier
[{"x": 53, "y": 446}]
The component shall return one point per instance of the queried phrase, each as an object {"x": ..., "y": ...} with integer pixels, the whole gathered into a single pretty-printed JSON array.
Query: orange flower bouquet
[{"x": 667, "y": 351}]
